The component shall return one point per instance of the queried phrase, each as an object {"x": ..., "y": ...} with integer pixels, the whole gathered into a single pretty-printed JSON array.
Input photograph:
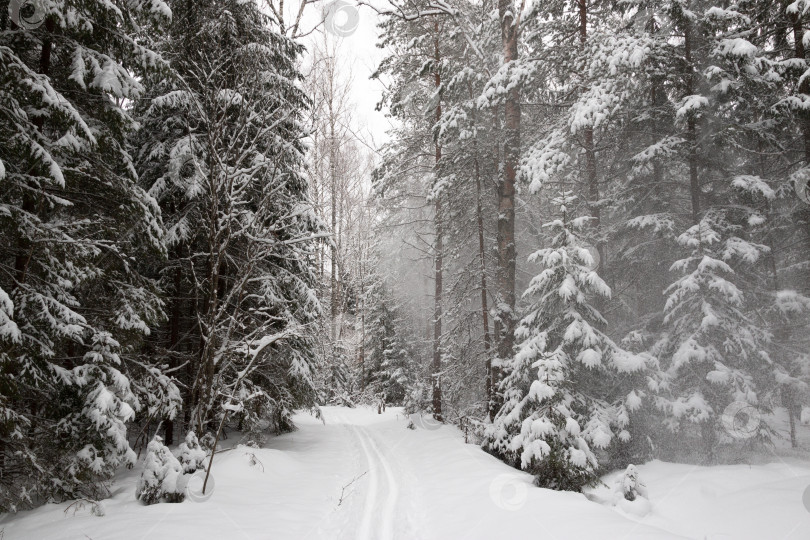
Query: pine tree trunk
[
  {"x": 203, "y": 384},
  {"x": 804, "y": 87},
  {"x": 505, "y": 276},
  {"x": 437, "y": 309},
  {"x": 174, "y": 335},
  {"x": 658, "y": 98},
  {"x": 691, "y": 127},
  {"x": 591, "y": 179},
  {"x": 29, "y": 204},
  {"x": 484, "y": 307},
  {"x": 479, "y": 215},
  {"x": 794, "y": 443},
  {"x": 790, "y": 403}
]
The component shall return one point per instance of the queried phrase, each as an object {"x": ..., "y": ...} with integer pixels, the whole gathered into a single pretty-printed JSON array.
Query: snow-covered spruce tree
[
  {"x": 221, "y": 150},
  {"x": 564, "y": 397},
  {"x": 610, "y": 140},
  {"x": 712, "y": 352},
  {"x": 160, "y": 475},
  {"x": 386, "y": 369},
  {"x": 780, "y": 139},
  {"x": 715, "y": 342},
  {"x": 685, "y": 142},
  {"x": 74, "y": 223},
  {"x": 192, "y": 455},
  {"x": 668, "y": 178}
]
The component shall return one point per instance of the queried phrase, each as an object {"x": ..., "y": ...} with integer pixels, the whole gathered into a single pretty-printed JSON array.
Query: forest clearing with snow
[{"x": 414, "y": 269}]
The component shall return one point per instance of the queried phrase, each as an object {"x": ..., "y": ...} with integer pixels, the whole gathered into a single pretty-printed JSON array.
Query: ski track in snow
[{"x": 380, "y": 505}]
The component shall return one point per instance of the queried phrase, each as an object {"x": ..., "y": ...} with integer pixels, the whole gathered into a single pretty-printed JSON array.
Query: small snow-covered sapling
[
  {"x": 161, "y": 472},
  {"x": 192, "y": 454},
  {"x": 631, "y": 485}
]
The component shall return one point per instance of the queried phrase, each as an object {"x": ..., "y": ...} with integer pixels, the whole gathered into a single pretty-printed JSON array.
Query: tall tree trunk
[
  {"x": 333, "y": 181},
  {"x": 691, "y": 45},
  {"x": 437, "y": 299},
  {"x": 29, "y": 203},
  {"x": 479, "y": 216},
  {"x": 505, "y": 276},
  {"x": 591, "y": 179},
  {"x": 174, "y": 333},
  {"x": 202, "y": 390},
  {"x": 362, "y": 360},
  {"x": 658, "y": 99},
  {"x": 804, "y": 87},
  {"x": 691, "y": 127},
  {"x": 25, "y": 248},
  {"x": 804, "y": 116},
  {"x": 781, "y": 333},
  {"x": 484, "y": 307}
]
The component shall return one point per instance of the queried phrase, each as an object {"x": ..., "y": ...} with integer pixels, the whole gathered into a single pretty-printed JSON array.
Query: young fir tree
[
  {"x": 715, "y": 343},
  {"x": 386, "y": 371},
  {"x": 770, "y": 89},
  {"x": 192, "y": 455},
  {"x": 74, "y": 223},
  {"x": 712, "y": 351},
  {"x": 160, "y": 475},
  {"x": 565, "y": 390}
]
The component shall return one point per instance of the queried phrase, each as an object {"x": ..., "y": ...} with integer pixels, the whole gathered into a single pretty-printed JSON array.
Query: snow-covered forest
[{"x": 404, "y": 269}]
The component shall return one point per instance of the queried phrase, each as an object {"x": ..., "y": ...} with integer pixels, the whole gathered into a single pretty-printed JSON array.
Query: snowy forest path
[
  {"x": 426, "y": 483},
  {"x": 359, "y": 475},
  {"x": 383, "y": 516}
]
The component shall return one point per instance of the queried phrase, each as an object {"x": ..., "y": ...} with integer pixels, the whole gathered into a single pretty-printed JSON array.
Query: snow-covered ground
[{"x": 365, "y": 476}]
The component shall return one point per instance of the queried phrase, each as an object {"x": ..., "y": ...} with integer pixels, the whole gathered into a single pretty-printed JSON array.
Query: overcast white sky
[{"x": 358, "y": 52}]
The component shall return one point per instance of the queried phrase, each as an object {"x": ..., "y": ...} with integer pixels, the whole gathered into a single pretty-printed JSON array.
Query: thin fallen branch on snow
[{"x": 343, "y": 494}]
